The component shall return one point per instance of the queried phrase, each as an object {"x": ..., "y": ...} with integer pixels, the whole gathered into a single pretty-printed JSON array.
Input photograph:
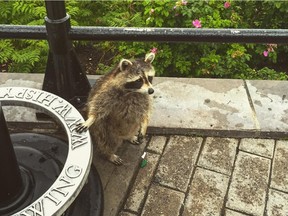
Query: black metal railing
[{"x": 279, "y": 36}]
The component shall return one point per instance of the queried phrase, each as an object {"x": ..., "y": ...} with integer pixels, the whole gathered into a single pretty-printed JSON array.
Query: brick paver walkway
[{"x": 188, "y": 175}]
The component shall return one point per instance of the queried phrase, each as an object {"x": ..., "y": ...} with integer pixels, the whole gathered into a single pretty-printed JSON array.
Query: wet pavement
[{"x": 214, "y": 147}]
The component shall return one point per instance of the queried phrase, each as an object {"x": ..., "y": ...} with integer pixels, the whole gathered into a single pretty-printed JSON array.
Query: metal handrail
[{"x": 279, "y": 36}]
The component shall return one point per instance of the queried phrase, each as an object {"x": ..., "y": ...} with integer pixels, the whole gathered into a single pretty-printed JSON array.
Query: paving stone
[
  {"x": 280, "y": 166},
  {"x": 229, "y": 212},
  {"x": 141, "y": 184},
  {"x": 127, "y": 214},
  {"x": 163, "y": 201},
  {"x": 178, "y": 161},
  {"x": 206, "y": 195},
  {"x": 218, "y": 154},
  {"x": 277, "y": 204},
  {"x": 157, "y": 144},
  {"x": 249, "y": 184},
  {"x": 263, "y": 147}
]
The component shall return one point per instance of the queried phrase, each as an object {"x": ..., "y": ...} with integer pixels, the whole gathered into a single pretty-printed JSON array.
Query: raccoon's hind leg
[
  {"x": 107, "y": 147},
  {"x": 108, "y": 153},
  {"x": 138, "y": 139},
  {"x": 85, "y": 125},
  {"x": 115, "y": 159}
]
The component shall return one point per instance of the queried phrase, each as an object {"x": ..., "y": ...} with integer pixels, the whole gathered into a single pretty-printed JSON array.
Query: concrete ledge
[{"x": 238, "y": 108}]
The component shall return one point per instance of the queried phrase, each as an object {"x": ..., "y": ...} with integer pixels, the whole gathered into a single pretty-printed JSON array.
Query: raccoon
[{"x": 119, "y": 106}]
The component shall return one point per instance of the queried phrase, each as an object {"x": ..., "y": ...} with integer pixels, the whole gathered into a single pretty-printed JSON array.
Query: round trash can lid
[{"x": 77, "y": 166}]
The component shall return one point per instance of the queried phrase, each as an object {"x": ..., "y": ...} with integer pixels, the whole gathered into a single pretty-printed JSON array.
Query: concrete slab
[
  {"x": 157, "y": 144},
  {"x": 247, "y": 191},
  {"x": 262, "y": 147},
  {"x": 17, "y": 113},
  {"x": 177, "y": 162},
  {"x": 206, "y": 195},
  {"x": 196, "y": 104},
  {"x": 277, "y": 203},
  {"x": 201, "y": 103},
  {"x": 141, "y": 185},
  {"x": 126, "y": 214},
  {"x": 218, "y": 154},
  {"x": 279, "y": 178},
  {"x": 9, "y": 78},
  {"x": 116, "y": 179},
  {"x": 270, "y": 99},
  {"x": 229, "y": 212},
  {"x": 163, "y": 201}
]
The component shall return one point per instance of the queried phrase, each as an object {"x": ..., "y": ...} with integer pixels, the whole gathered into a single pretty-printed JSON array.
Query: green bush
[
  {"x": 219, "y": 60},
  {"x": 29, "y": 56}
]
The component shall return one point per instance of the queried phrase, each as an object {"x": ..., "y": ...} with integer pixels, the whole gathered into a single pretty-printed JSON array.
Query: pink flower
[
  {"x": 183, "y": 2},
  {"x": 196, "y": 23},
  {"x": 265, "y": 53},
  {"x": 154, "y": 50},
  {"x": 227, "y": 4},
  {"x": 152, "y": 11}
]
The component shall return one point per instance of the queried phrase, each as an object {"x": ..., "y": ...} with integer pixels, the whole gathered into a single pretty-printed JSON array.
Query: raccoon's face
[{"x": 139, "y": 74}]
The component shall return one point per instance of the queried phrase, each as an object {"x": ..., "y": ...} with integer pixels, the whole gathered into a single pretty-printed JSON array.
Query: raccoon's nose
[{"x": 150, "y": 91}]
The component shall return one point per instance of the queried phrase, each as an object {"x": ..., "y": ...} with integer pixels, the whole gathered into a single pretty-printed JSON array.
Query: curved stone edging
[{"x": 77, "y": 166}]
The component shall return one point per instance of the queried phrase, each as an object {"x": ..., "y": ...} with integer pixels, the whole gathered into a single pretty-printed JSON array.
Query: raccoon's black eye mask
[
  {"x": 137, "y": 84},
  {"x": 150, "y": 79}
]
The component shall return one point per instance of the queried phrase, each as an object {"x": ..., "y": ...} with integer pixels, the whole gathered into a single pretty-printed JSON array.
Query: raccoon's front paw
[
  {"x": 85, "y": 125},
  {"x": 115, "y": 159},
  {"x": 140, "y": 138},
  {"x": 81, "y": 127},
  {"x": 136, "y": 140}
]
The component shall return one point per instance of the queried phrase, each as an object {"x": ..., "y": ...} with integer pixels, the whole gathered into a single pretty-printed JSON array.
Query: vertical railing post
[
  {"x": 10, "y": 176},
  {"x": 63, "y": 76}
]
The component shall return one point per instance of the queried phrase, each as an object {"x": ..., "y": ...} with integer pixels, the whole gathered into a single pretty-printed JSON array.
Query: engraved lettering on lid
[
  {"x": 21, "y": 94},
  {"x": 30, "y": 93},
  {"x": 66, "y": 183},
  {"x": 78, "y": 140},
  {"x": 48, "y": 99},
  {"x": 73, "y": 171},
  {"x": 52, "y": 198},
  {"x": 6, "y": 93},
  {"x": 72, "y": 122},
  {"x": 39, "y": 94},
  {"x": 62, "y": 109},
  {"x": 36, "y": 209}
]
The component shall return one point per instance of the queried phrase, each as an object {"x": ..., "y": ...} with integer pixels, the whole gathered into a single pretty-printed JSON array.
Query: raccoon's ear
[
  {"x": 149, "y": 57},
  {"x": 124, "y": 63}
]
